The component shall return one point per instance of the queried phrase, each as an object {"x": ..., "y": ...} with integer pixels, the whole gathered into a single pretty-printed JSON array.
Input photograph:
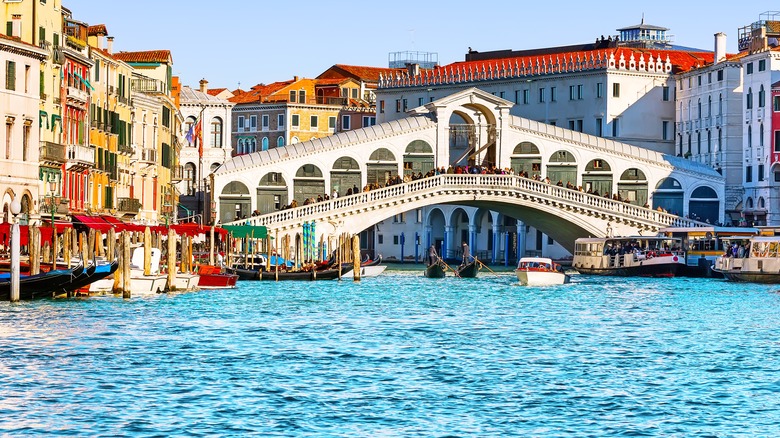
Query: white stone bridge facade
[{"x": 469, "y": 127}]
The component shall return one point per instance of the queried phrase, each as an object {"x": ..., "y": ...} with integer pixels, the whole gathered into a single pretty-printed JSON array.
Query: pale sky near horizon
[{"x": 250, "y": 42}]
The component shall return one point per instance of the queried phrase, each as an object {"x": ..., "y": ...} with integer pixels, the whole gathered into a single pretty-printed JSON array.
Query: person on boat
[
  {"x": 433, "y": 256},
  {"x": 466, "y": 254}
]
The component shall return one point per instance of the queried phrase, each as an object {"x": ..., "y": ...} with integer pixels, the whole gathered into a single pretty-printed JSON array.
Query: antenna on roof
[
  {"x": 643, "y": 18},
  {"x": 239, "y": 85}
]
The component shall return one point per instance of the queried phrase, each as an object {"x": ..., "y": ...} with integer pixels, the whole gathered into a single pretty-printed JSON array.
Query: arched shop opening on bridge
[
  {"x": 526, "y": 159},
  {"x": 345, "y": 175},
  {"x": 418, "y": 158},
  {"x": 234, "y": 202},
  {"x": 308, "y": 183},
  {"x": 381, "y": 166},
  {"x": 271, "y": 193}
]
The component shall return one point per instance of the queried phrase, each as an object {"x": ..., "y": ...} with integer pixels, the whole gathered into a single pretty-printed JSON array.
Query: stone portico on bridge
[{"x": 474, "y": 127}]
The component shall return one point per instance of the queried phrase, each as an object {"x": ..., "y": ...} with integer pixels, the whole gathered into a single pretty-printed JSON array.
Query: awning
[
  {"x": 5, "y": 234},
  {"x": 251, "y": 231},
  {"x": 93, "y": 222},
  {"x": 194, "y": 229}
]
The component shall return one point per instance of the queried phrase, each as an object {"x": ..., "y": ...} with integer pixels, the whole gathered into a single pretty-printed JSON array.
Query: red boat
[{"x": 212, "y": 277}]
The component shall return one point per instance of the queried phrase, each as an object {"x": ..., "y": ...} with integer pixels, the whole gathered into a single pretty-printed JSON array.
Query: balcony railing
[
  {"x": 149, "y": 155},
  {"x": 126, "y": 149},
  {"x": 80, "y": 156},
  {"x": 148, "y": 86},
  {"x": 177, "y": 173},
  {"x": 52, "y": 152},
  {"x": 77, "y": 95},
  {"x": 128, "y": 205}
]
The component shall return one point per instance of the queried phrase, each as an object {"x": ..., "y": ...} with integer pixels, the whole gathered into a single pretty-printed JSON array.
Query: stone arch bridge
[{"x": 469, "y": 128}]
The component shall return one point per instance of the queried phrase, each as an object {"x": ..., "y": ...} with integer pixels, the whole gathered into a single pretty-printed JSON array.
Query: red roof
[
  {"x": 216, "y": 91},
  {"x": 367, "y": 74},
  {"x": 258, "y": 93},
  {"x": 98, "y": 29},
  {"x": 162, "y": 56}
]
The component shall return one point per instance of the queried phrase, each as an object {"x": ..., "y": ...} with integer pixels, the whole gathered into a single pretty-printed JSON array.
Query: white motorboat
[
  {"x": 540, "y": 271},
  {"x": 372, "y": 271},
  {"x": 139, "y": 283}
]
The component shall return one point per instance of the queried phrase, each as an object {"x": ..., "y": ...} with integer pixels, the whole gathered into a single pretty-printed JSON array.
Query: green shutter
[
  {"x": 56, "y": 39},
  {"x": 10, "y": 75},
  {"x": 97, "y": 70},
  {"x": 41, "y": 34},
  {"x": 9, "y": 28},
  {"x": 42, "y": 84}
]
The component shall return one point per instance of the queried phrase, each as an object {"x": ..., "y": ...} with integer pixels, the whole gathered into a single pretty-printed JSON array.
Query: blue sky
[{"x": 232, "y": 41}]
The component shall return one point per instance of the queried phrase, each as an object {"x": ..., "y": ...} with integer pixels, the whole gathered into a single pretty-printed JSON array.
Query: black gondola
[
  {"x": 244, "y": 274},
  {"x": 324, "y": 274},
  {"x": 44, "y": 285},
  {"x": 435, "y": 270},
  {"x": 368, "y": 262},
  {"x": 469, "y": 270},
  {"x": 92, "y": 274}
]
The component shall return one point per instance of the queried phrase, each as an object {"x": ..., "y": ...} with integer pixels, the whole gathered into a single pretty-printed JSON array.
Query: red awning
[
  {"x": 94, "y": 222},
  {"x": 5, "y": 234}
]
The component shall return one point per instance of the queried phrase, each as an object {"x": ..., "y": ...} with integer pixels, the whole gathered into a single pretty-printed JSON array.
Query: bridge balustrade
[{"x": 545, "y": 192}]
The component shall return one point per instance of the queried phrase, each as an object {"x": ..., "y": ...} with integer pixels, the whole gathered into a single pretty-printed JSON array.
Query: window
[
  {"x": 526, "y": 96},
  {"x": 760, "y": 172},
  {"x": 280, "y": 141},
  {"x": 709, "y": 141},
  {"x": 762, "y": 65},
  {"x": 398, "y": 105},
  {"x": 296, "y": 121},
  {"x": 380, "y": 239},
  {"x": 420, "y": 101},
  {"x": 720, "y": 75},
  {"x": 761, "y": 135},
  {"x": 264, "y": 143},
  {"x": 777, "y": 141},
  {"x": 404, "y": 105},
  {"x": 749, "y": 99},
  {"x": 761, "y": 95},
  {"x": 665, "y": 130},
  {"x": 314, "y": 122},
  {"x": 517, "y": 96},
  {"x": 748, "y": 174},
  {"x": 240, "y": 123},
  {"x": 293, "y": 96},
  {"x": 616, "y": 89},
  {"x": 599, "y": 90},
  {"x": 10, "y": 75},
  {"x": 698, "y": 80},
  {"x": 698, "y": 109},
  {"x": 253, "y": 123},
  {"x": 749, "y": 68},
  {"x": 580, "y": 94},
  {"x": 698, "y": 143},
  {"x": 419, "y": 215},
  {"x": 776, "y": 103},
  {"x": 332, "y": 122},
  {"x": 709, "y": 77},
  {"x": 279, "y": 121},
  {"x": 346, "y": 123},
  {"x": 599, "y": 127},
  {"x": 381, "y": 107},
  {"x": 302, "y": 96},
  {"x": 572, "y": 92},
  {"x": 665, "y": 91},
  {"x": 553, "y": 94},
  {"x": 396, "y": 240},
  {"x": 369, "y": 121},
  {"x": 777, "y": 176},
  {"x": 709, "y": 106},
  {"x": 541, "y": 95},
  {"x": 750, "y": 137},
  {"x": 266, "y": 121},
  {"x": 615, "y": 126},
  {"x": 216, "y": 132}
]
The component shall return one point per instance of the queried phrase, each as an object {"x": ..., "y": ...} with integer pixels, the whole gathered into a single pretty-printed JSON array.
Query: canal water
[{"x": 399, "y": 355}]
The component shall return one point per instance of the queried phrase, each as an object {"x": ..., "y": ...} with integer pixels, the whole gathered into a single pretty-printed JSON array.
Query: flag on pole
[{"x": 196, "y": 134}]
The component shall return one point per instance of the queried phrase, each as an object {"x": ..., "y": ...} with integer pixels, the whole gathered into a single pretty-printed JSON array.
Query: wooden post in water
[
  {"x": 276, "y": 267},
  {"x": 126, "y": 282},
  {"x": 66, "y": 246},
  {"x": 83, "y": 248},
  {"x": 339, "y": 254},
  {"x": 91, "y": 246},
  {"x": 35, "y": 251},
  {"x": 268, "y": 251},
  {"x": 189, "y": 254},
  {"x": 55, "y": 246},
  {"x": 211, "y": 246},
  {"x": 171, "y": 259},
  {"x": 147, "y": 251},
  {"x": 119, "y": 273},
  {"x": 46, "y": 253},
  {"x": 356, "y": 257},
  {"x": 99, "y": 249},
  {"x": 111, "y": 244}
]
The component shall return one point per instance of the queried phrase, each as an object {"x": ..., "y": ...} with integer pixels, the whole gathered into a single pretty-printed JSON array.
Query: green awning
[{"x": 251, "y": 231}]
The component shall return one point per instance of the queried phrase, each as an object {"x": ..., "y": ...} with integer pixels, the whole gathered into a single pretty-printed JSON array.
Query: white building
[
  {"x": 709, "y": 120},
  {"x": 200, "y": 157},
  {"x": 20, "y": 100}
]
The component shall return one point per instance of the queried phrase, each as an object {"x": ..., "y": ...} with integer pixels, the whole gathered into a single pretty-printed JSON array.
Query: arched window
[
  {"x": 698, "y": 143},
  {"x": 265, "y": 143},
  {"x": 190, "y": 175},
  {"x": 709, "y": 141},
  {"x": 240, "y": 146},
  {"x": 709, "y": 106},
  {"x": 280, "y": 141},
  {"x": 216, "y": 132},
  {"x": 761, "y": 135},
  {"x": 254, "y": 145},
  {"x": 750, "y": 136},
  {"x": 761, "y": 95},
  {"x": 720, "y": 140},
  {"x": 698, "y": 106},
  {"x": 187, "y": 128},
  {"x": 749, "y": 99}
]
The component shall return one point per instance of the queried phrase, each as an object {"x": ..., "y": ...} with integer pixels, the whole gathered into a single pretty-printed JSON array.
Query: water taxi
[
  {"x": 703, "y": 245},
  {"x": 757, "y": 262},
  {"x": 629, "y": 256},
  {"x": 540, "y": 271}
]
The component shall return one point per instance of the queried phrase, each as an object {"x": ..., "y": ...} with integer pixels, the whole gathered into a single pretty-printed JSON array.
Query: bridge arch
[
  {"x": 669, "y": 195},
  {"x": 435, "y": 226},
  {"x": 597, "y": 176},
  {"x": 345, "y": 175},
  {"x": 234, "y": 202},
  {"x": 271, "y": 193},
  {"x": 381, "y": 165},
  {"x": 562, "y": 166},
  {"x": 418, "y": 158},
  {"x": 526, "y": 159},
  {"x": 632, "y": 186},
  {"x": 308, "y": 183}
]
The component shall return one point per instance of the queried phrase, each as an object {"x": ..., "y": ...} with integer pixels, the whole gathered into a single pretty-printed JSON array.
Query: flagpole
[{"x": 199, "y": 138}]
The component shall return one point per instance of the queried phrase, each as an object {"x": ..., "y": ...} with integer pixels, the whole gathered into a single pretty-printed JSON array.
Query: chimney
[
  {"x": 720, "y": 47},
  {"x": 413, "y": 69},
  {"x": 100, "y": 39},
  {"x": 295, "y": 78},
  {"x": 204, "y": 86},
  {"x": 110, "y": 46}
]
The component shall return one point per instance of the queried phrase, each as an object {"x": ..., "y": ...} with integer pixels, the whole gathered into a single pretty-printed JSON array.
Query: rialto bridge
[{"x": 469, "y": 127}]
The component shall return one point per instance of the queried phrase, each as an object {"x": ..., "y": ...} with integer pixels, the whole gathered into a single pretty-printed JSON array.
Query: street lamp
[
  {"x": 16, "y": 208},
  {"x": 52, "y": 200}
]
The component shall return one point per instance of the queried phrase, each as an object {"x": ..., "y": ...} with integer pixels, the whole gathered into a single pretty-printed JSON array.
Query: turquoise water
[{"x": 399, "y": 355}]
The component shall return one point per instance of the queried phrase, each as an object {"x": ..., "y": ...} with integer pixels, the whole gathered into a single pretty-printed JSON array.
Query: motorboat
[
  {"x": 540, "y": 271},
  {"x": 214, "y": 277},
  {"x": 631, "y": 256},
  {"x": 759, "y": 261}
]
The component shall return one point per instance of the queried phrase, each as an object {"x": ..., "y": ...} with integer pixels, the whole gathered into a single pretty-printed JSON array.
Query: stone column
[{"x": 521, "y": 233}]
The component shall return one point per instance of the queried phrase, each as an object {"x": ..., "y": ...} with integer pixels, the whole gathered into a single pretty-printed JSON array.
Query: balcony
[
  {"x": 177, "y": 173},
  {"x": 760, "y": 114},
  {"x": 149, "y": 156},
  {"x": 340, "y": 101},
  {"x": 77, "y": 96},
  {"x": 748, "y": 115},
  {"x": 111, "y": 90},
  {"x": 142, "y": 85},
  {"x": 126, "y": 149},
  {"x": 80, "y": 157},
  {"x": 128, "y": 205},
  {"x": 52, "y": 153}
]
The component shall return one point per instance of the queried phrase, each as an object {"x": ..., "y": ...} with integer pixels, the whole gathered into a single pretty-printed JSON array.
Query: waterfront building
[
  {"x": 760, "y": 44},
  {"x": 156, "y": 124},
  {"x": 110, "y": 113},
  {"x": 709, "y": 120},
  {"x": 202, "y": 154},
  {"x": 19, "y": 100}
]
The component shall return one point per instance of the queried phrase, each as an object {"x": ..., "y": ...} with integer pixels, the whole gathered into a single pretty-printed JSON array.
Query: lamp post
[
  {"x": 16, "y": 208},
  {"x": 53, "y": 200}
]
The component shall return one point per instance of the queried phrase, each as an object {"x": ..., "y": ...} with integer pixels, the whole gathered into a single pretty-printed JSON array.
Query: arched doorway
[
  {"x": 418, "y": 158},
  {"x": 597, "y": 177},
  {"x": 632, "y": 186},
  {"x": 345, "y": 175},
  {"x": 562, "y": 167},
  {"x": 669, "y": 195},
  {"x": 526, "y": 159},
  {"x": 381, "y": 166},
  {"x": 271, "y": 193},
  {"x": 308, "y": 183},
  {"x": 704, "y": 205},
  {"x": 234, "y": 202},
  {"x": 435, "y": 230}
]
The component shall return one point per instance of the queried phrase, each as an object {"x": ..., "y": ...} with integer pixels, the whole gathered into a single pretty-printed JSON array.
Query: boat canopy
[{"x": 251, "y": 231}]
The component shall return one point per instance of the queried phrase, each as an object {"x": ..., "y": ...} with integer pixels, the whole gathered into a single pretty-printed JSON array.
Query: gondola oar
[
  {"x": 485, "y": 266},
  {"x": 449, "y": 267}
]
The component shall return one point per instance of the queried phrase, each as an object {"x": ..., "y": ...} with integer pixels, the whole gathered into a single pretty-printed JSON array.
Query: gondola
[
  {"x": 369, "y": 262},
  {"x": 435, "y": 270},
  {"x": 244, "y": 274},
  {"x": 41, "y": 285},
  {"x": 324, "y": 274},
  {"x": 469, "y": 270},
  {"x": 93, "y": 273}
]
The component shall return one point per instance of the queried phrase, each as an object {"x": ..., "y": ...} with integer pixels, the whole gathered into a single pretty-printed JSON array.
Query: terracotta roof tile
[
  {"x": 215, "y": 91},
  {"x": 258, "y": 93},
  {"x": 147, "y": 56},
  {"x": 364, "y": 73},
  {"x": 98, "y": 29}
]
